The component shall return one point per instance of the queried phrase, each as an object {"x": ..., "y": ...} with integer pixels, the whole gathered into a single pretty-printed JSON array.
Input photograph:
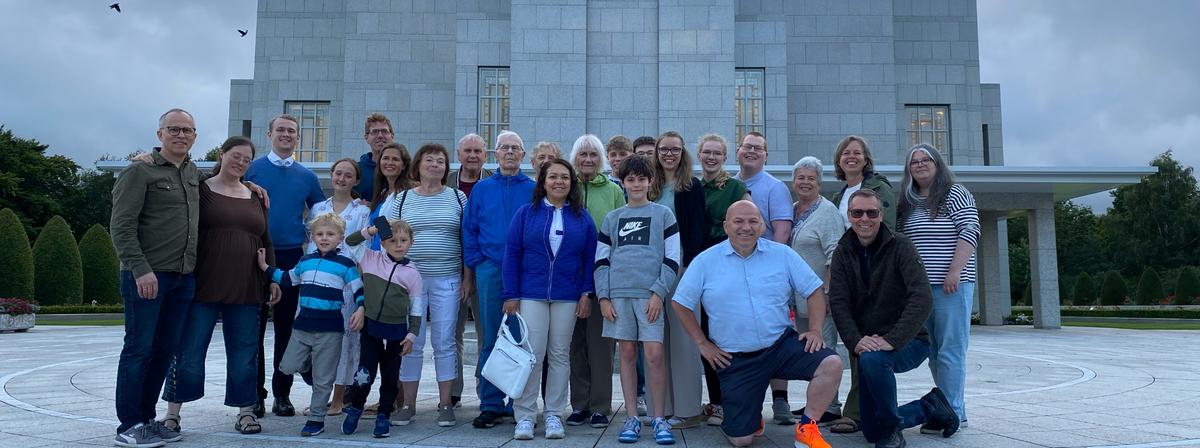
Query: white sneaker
[
  {"x": 718, "y": 415},
  {"x": 641, "y": 405},
  {"x": 524, "y": 430},
  {"x": 554, "y": 427}
]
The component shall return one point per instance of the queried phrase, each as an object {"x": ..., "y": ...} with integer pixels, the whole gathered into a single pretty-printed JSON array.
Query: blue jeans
[
  {"x": 949, "y": 328},
  {"x": 239, "y": 327},
  {"x": 488, "y": 284},
  {"x": 152, "y": 331},
  {"x": 877, "y": 389}
]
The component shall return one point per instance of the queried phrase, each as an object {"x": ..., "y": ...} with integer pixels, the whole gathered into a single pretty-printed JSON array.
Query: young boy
[
  {"x": 316, "y": 342},
  {"x": 637, "y": 261},
  {"x": 393, "y": 308}
]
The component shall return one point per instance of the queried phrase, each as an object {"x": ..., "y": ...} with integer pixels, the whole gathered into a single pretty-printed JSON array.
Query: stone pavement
[{"x": 1069, "y": 387}]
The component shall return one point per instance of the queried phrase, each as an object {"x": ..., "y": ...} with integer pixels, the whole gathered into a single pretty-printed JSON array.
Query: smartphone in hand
[{"x": 382, "y": 228}]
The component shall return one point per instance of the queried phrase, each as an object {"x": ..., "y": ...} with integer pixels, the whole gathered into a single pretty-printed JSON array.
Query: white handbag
[{"x": 511, "y": 362}]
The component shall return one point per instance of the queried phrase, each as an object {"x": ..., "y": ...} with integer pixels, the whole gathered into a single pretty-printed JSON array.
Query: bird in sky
[
  {"x": 116, "y": 6},
  {"x": 242, "y": 32}
]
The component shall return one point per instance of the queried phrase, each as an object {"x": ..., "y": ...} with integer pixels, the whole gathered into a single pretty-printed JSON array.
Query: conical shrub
[
  {"x": 57, "y": 270},
  {"x": 101, "y": 269},
  {"x": 1150, "y": 290},
  {"x": 1114, "y": 290},
  {"x": 1084, "y": 292},
  {"x": 16, "y": 258},
  {"x": 1187, "y": 288}
]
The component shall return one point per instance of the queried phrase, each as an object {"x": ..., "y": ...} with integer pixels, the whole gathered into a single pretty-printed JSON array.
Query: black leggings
[
  {"x": 710, "y": 375},
  {"x": 376, "y": 355}
]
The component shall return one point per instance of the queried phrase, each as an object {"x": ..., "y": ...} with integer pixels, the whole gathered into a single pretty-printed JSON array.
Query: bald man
[{"x": 750, "y": 345}]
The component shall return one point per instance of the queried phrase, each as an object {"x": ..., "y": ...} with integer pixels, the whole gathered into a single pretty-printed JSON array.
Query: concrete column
[
  {"x": 994, "y": 301},
  {"x": 1043, "y": 268}
]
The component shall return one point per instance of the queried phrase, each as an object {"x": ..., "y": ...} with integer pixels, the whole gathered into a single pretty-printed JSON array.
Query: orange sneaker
[{"x": 809, "y": 436}]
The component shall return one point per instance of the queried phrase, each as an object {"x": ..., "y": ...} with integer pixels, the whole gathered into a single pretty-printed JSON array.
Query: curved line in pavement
[
  {"x": 13, "y": 401},
  {"x": 1085, "y": 375}
]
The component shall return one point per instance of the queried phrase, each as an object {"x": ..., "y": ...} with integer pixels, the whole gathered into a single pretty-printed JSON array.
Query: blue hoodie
[
  {"x": 366, "y": 177},
  {"x": 489, "y": 211},
  {"x": 532, "y": 271}
]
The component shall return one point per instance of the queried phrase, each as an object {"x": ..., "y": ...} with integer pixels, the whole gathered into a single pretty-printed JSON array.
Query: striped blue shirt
[{"x": 322, "y": 278}]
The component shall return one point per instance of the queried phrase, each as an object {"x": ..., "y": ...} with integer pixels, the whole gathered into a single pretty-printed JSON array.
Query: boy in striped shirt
[{"x": 316, "y": 342}]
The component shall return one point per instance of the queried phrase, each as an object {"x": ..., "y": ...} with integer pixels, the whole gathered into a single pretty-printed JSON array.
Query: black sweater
[
  {"x": 879, "y": 289},
  {"x": 692, "y": 219}
]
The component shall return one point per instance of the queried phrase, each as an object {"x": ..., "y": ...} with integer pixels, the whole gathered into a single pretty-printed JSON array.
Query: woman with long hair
[
  {"x": 391, "y": 177},
  {"x": 940, "y": 218},
  {"x": 548, "y": 261}
]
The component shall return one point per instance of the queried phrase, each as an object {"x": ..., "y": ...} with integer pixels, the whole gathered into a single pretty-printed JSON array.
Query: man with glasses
[
  {"x": 644, "y": 146},
  {"x": 293, "y": 189},
  {"x": 155, "y": 217},
  {"x": 378, "y": 133},
  {"x": 471, "y": 155},
  {"x": 493, "y": 203},
  {"x": 880, "y": 297},
  {"x": 774, "y": 201}
]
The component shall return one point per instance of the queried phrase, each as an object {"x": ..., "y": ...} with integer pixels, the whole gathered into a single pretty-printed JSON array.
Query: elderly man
[
  {"x": 493, "y": 203},
  {"x": 154, "y": 224},
  {"x": 470, "y": 158},
  {"x": 377, "y": 131},
  {"x": 881, "y": 298},
  {"x": 746, "y": 283},
  {"x": 293, "y": 190}
]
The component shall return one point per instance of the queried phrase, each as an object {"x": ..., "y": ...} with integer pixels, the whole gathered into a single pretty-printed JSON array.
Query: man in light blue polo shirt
[
  {"x": 746, "y": 284},
  {"x": 769, "y": 194}
]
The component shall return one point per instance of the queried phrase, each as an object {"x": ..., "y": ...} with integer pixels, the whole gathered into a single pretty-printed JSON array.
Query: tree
[
  {"x": 101, "y": 274},
  {"x": 57, "y": 270},
  {"x": 1114, "y": 290},
  {"x": 32, "y": 182},
  {"x": 16, "y": 259},
  {"x": 1084, "y": 292},
  {"x": 212, "y": 154},
  {"x": 1187, "y": 288},
  {"x": 1018, "y": 255},
  {"x": 90, "y": 203},
  {"x": 1156, "y": 222},
  {"x": 1149, "y": 290},
  {"x": 1077, "y": 236}
]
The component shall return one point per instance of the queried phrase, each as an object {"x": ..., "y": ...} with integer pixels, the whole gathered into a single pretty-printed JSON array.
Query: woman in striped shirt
[
  {"x": 940, "y": 218},
  {"x": 435, "y": 213}
]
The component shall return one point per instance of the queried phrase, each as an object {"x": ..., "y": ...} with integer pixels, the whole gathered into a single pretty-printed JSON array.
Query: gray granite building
[{"x": 806, "y": 73}]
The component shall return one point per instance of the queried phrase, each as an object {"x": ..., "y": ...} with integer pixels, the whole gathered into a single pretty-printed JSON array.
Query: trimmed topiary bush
[
  {"x": 1084, "y": 291},
  {"x": 101, "y": 271},
  {"x": 1187, "y": 288},
  {"x": 1114, "y": 290},
  {"x": 1149, "y": 290},
  {"x": 57, "y": 270},
  {"x": 16, "y": 258}
]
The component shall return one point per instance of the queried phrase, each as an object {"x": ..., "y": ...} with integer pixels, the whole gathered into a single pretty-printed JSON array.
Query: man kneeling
[
  {"x": 881, "y": 298},
  {"x": 745, "y": 284}
]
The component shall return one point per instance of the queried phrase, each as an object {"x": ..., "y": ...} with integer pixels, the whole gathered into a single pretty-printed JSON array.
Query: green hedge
[
  {"x": 57, "y": 270},
  {"x": 101, "y": 272},
  {"x": 16, "y": 259},
  {"x": 80, "y": 309},
  {"x": 1187, "y": 288},
  {"x": 1114, "y": 289},
  {"x": 1155, "y": 313}
]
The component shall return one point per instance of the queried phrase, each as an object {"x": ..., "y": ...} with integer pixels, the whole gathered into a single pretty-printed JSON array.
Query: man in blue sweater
[
  {"x": 378, "y": 133},
  {"x": 292, "y": 189},
  {"x": 485, "y": 222}
]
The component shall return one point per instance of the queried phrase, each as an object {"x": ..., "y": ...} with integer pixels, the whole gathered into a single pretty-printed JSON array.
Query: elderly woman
[
  {"x": 544, "y": 152},
  {"x": 940, "y": 218},
  {"x": 853, "y": 163},
  {"x": 548, "y": 262},
  {"x": 591, "y": 353},
  {"x": 816, "y": 228},
  {"x": 435, "y": 213}
]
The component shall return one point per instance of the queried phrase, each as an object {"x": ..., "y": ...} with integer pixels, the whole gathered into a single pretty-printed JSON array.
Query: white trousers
[
  {"x": 442, "y": 296},
  {"x": 551, "y": 325}
]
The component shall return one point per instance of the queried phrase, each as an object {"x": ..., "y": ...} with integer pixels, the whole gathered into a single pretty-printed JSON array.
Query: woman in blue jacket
[{"x": 547, "y": 273}]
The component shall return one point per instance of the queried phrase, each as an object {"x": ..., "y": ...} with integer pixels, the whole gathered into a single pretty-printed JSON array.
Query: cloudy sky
[{"x": 1084, "y": 82}]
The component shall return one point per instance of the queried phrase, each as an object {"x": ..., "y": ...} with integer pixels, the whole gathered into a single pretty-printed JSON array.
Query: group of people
[{"x": 691, "y": 276}]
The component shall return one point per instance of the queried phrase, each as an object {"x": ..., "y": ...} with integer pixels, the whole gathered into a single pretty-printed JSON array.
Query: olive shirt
[
  {"x": 716, "y": 202},
  {"x": 155, "y": 216}
]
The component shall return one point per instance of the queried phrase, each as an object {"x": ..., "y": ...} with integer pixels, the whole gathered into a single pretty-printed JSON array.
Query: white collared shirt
[
  {"x": 556, "y": 227},
  {"x": 280, "y": 161}
]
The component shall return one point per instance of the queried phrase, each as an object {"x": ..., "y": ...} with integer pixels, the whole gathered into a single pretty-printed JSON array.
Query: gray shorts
[{"x": 631, "y": 323}]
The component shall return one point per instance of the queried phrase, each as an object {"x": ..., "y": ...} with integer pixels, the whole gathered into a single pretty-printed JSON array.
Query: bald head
[{"x": 743, "y": 225}]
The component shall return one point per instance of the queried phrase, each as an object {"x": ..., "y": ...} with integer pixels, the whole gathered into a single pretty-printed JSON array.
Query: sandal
[
  {"x": 308, "y": 410},
  {"x": 173, "y": 418},
  {"x": 247, "y": 427},
  {"x": 844, "y": 425}
]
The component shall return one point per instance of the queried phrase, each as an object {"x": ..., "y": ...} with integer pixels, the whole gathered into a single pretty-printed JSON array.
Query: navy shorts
[{"x": 744, "y": 382}]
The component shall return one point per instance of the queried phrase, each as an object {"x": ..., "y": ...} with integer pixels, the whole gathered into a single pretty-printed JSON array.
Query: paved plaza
[{"x": 1026, "y": 388}]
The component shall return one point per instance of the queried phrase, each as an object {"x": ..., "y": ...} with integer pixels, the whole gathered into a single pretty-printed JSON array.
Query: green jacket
[
  {"x": 601, "y": 196},
  {"x": 156, "y": 215},
  {"x": 880, "y": 184}
]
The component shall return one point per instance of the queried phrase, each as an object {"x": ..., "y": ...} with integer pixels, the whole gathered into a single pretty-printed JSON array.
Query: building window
[
  {"x": 494, "y": 91},
  {"x": 748, "y": 101},
  {"x": 930, "y": 124},
  {"x": 314, "y": 129}
]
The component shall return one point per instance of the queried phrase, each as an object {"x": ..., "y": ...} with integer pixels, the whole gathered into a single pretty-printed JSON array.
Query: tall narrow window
[
  {"x": 930, "y": 124},
  {"x": 493, "y": 105},
  {"x": 748, "y": 101},
  {"x": 313, "y": 145}
]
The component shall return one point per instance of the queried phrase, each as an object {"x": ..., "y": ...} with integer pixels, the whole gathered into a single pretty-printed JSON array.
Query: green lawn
[
  {"x": 1138, "y": 325},
  {"x": 80, "y": 322}
]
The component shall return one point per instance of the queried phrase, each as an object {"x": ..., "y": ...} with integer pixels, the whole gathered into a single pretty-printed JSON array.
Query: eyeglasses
[
  {"x": 508, "y": 148},
  {"x": 858, "y": 213},
  {"x": 755, "y": 148},
  {"x": 920, "y": 162},
  {"x": 671, "y": 150},
  {"x": 380, "y": 132},
  {"x": 176, "y": 130}
]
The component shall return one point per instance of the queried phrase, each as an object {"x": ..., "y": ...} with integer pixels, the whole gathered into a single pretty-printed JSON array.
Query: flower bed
[{"x": 16, "y": 314}]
